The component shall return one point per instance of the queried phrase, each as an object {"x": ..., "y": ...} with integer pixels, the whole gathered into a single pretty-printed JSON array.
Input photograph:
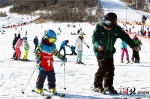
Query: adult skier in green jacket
[{"x": 103, "y": 39}]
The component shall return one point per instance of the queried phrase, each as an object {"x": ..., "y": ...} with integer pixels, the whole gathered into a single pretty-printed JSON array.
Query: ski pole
[
  {"x": 63, "y": 63},
  {"x": 64, "y": 77},
  {"x": 31, "y": 74},
  {"x": 29, "y": 80}
]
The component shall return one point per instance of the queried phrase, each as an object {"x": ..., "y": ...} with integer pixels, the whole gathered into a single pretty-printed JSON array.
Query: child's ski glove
[
  {"x": 38, "y": 66},
  {"x": 64, "y": 59},
  {"x": 38, "y": 61}
]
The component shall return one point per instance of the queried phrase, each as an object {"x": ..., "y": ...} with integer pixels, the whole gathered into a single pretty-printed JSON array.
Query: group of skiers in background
[
  {"x": 135, "y": 54},
  {"x": 18, "y": 42},
  {"x": 78, "y": 46}
]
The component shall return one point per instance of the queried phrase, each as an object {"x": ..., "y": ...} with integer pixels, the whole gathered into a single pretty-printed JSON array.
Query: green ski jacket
[{"x": 107, "y": 39}]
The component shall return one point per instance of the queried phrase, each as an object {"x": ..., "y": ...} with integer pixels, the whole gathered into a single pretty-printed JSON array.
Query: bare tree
[{"x": 60, "y": 10}]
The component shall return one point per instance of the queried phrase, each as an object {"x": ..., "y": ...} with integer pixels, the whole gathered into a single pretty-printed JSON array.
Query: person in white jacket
[{"x": 79, "y": 47}]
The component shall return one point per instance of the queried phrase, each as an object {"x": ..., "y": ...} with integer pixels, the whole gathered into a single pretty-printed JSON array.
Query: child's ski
[
  {"x": 56, "y": 93},
  {"x": 42, "y": 94}
]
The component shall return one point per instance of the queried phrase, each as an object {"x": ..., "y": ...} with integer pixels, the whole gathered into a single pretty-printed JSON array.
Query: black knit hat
[{"x": 111, "y": 16}]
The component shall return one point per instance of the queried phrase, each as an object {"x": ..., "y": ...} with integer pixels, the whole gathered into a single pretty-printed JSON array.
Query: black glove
[
  {"x": 64, "y": 59},
  {"x": 101, "y": 55},
  {"x": 74, "y": 47},
  {"x": 88, "y": 46}
]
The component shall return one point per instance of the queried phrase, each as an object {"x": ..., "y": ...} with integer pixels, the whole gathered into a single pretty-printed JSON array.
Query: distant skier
[
  {"x": 13, "y": 44},
  {"x": 59, "y": 31},
  {"x": 79, "y": 30},
  {"x": 73, "y": 52},
  {"x": 26, "y": 48},
  {"x": 149, "y": 33},
  {"x": 124, "y": 50},
  {"x": 62, "y": 46},
  {"x": 17, "y": 47},
  {"x": 44, "y": 55},
  {"x": 135, "y": 54},
  {"x": 79, "y": 47},
  {"x": 36, "y": 42}
]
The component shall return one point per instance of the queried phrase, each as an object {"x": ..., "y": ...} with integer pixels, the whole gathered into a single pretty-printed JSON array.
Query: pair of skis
[{"x": 49, "y": 95}]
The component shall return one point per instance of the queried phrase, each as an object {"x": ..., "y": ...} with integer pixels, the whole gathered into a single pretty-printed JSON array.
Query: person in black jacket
[
  {"x": 13, "y": 43},
  {"x": 104, "y": 38},
  {"x": 36, "y": 42}
]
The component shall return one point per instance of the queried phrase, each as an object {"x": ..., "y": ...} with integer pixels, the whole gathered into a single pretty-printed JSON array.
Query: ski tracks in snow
[{"x": 3, "y": 80}]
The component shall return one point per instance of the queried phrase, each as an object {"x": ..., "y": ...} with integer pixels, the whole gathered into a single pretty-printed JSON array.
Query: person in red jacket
[{"x": 17, "y": 47}]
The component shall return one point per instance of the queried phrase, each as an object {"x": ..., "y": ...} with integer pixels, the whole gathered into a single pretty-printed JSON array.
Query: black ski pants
[
  {"x": 135, "y": 55},
  {"x": 50, "y": 78},
  {"x": 104, "y": 73},
  {"x": 35, "y": 48}
]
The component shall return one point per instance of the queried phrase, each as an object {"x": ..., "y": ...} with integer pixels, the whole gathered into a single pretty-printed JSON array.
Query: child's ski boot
[
  {"x": 52, "y": 90},
  {"x": 39, "y": 91}
]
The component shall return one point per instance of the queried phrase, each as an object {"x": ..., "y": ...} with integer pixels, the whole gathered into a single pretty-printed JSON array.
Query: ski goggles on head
[
  {"x": 52, "y": 40},
  {"x": 107, "y": 23}
]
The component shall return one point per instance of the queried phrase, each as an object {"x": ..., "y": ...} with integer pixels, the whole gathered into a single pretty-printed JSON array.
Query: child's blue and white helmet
[{"x": 51, "y": 33}]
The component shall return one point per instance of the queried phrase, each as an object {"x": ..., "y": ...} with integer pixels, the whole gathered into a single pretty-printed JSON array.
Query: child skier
[
  {"x": 44, "y": 55},
  {"x": 124, "y": 50},
  {"x": 73, "y": 52},
  {"x": 79, "y": 47},
  {"x": 26, "y": 48},
  {"x": 17, "y": 47},
  {"x": 136, "y": 53}
]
